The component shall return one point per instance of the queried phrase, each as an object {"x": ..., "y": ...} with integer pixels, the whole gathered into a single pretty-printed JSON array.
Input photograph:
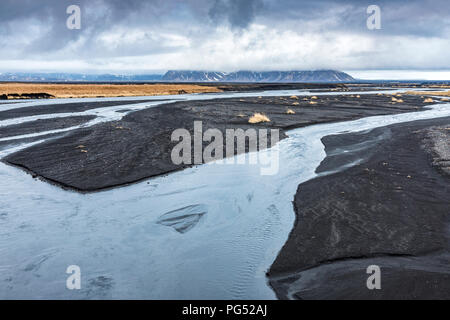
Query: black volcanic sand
[
  {"x": 319, "y": 87},
  {"x": 63, "y": 108},
  {"x": 41, "y": 95},
  {"x": 139, "y": 146},
  {"x": 391, "y": 210},
  {"x": 249, "y": 87},
  {"x": 437, "y": 140},
  {"x": 43, "y": 125}
]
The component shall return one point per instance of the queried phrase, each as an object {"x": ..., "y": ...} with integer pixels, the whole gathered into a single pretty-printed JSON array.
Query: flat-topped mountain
[{"x": 258, "y": 76}]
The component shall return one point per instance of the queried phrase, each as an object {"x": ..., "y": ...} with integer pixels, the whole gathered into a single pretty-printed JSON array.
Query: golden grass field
[{"x": 103, "y": 90}]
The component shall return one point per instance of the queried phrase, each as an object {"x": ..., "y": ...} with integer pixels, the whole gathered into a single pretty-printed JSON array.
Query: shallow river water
[{"x": 208, "y": 232}]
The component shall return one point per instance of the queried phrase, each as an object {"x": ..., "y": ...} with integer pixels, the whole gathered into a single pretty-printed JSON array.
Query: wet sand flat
[
  {"x": 391, "y": 209},
  {"x": 139, "y": 146}
]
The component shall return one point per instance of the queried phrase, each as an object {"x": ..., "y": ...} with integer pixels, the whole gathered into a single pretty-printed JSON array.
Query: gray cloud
[
  {"x": 237, "y": 13},
  {"x": 167, "y": 29}
]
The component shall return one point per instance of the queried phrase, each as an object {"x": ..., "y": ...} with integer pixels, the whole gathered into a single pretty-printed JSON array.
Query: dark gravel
[{"x": 391, "y": 210}]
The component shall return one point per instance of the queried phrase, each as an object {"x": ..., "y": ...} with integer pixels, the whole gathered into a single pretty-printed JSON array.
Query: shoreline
[
  {"x": 138, "y": 146},
  {"x": 40, "y": 125}
]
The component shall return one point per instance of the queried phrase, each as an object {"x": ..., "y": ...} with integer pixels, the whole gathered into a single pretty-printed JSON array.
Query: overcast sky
[{"x": 134, "y": 36}]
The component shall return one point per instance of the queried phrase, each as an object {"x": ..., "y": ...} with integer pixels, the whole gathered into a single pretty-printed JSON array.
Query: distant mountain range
[
  {"x": 254, "y": 76},
  {"x": 22, "y": 76},
  {"x": 189, "y": 76},
  {"x": 193, "y": 76}
]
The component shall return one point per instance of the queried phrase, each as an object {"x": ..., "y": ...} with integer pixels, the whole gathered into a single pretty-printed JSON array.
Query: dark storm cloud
[
  {"x": 237, "y": 13},
  {"x": 403, "y": 17},
  {"x": 37, "y": 28},
  {"x": 424, "y": 17}
]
